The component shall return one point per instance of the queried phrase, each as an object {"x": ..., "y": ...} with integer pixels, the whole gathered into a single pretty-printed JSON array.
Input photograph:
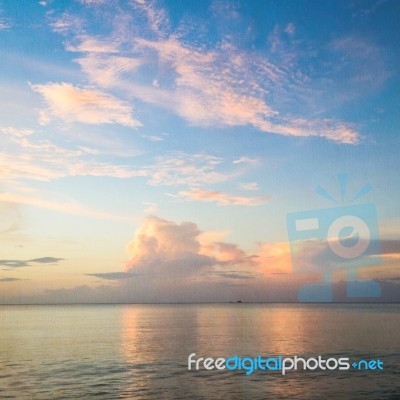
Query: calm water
[{"x": 140, "y": 351}]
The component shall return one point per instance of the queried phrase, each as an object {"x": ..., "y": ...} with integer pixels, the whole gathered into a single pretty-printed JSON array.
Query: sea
[{"x": 141, "y": 351}]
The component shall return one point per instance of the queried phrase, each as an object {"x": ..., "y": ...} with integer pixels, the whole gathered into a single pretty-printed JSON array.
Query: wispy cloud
[
  {"x": 35, "y": 198},
  {"x": 222, "y": 85},
  {"x": 249, "y": 186},
  {"x": 156, "y": 138},
  {"x": 113, "y": 275},
  {"x": 223, "y": 199},
  {"x": 92, "y": 45},
  {"x": 151, "y": 207},
  {"x": 370, "y": 8},
  {"x": 92, "y": 2},
  {"x": 4, "y": 22},
  {"x": 40, "y": 159},
  {"x": 246, "y": 160},
  {"x": 290, "y": 28},
  {"x": 105, "y": 70},
  {"x": 66, "y": 23},
  {"x": 10, "y": 279},
  {"x": 72, "y": 104},
  {"x": 180, "y": 168},
  {"x": 365, "y": 62},
  {"x": 28, "y": 263},
  {"x": 156, "y": 18},
  {"x": 10, "y": 221}
]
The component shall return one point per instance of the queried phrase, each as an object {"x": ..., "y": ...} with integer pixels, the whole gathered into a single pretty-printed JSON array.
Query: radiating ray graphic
[
  {"x": 343, "y": 179},
  {"x": 366, "y": 189},
  {"x": 322, "y": 192}
]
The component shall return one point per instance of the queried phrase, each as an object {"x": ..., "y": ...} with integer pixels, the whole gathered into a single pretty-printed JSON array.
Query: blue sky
[{"x": 142, "y": 140}]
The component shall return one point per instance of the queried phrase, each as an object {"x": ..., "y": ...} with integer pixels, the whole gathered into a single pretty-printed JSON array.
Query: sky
[{"x": 153, "y": 151}]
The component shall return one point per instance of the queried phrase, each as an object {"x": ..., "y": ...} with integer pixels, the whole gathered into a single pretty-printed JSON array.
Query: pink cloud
[
  {"x": 249, "y": 186},
  {"x": 168, "y": 248},
  {"x": 274, "y": 258},
  {"x": 223, "y": 199},
  {"x": 72, "y": 104},
  {"x": 162, "y": 246}
]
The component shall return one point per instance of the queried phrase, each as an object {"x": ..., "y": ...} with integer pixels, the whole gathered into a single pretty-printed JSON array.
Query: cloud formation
[
  {"x": 10, "y": 279},
  {"x": 28, "y": 263},
  {"x": 40, "y": 159},
  {"x": 179, "y": 168},
  {"x": 274, "y": 258},
  {"x": 113, "y": 275},
  {"x": 224, "y": 199},
  {"x": 49, "y": 201},
  {"x": 10, "y": 221},
  {"x": 4, "y": 23},
  {"x": 313, "y": 255},
  {"x": 249, "y": 186},
  {"x": 88, "y": 106},
  {"x": 171, "y": 250},
  {"x": 167, "y": 256},
  {"x": 221, "y": 85},
  {"x": 165, "y": 247}
]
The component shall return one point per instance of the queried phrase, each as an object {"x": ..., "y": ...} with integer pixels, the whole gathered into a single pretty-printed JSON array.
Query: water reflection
[
  {"x": 140, "y": 351},
  {"x": 158, "y": 339}
]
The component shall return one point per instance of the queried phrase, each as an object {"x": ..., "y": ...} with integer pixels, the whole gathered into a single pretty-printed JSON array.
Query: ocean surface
[{"x": 141, "y": 351}]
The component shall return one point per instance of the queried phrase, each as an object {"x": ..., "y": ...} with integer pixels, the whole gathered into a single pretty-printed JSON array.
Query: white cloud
[
  {"x": 246, "y": 160},
  {"x": 224, "y": 199},
  {"x": 92, "y": 45},
  {"x": 67, "y": 23},
  {"x": 13, "y": 132},
  {"x": 249, "y": 186},
  {"x": 157, "y": 19},
  {"x": 185, "y": 169},
  {"x": 365, "y": 62},
  {"x": 151, "y": 207},
  {"x": 162, "y": 247},
  {"x": 50, "y": 201},
  {"x": 4, "y": 24},
  {"x": 290, "y": 28},
  {"x": 10, "y": 221},
  {"x": 107, "y": 70},
  {"x": 207, "y": 89},
  {"x": 339, "y": 132},
  {"x": 39, "y": 159},
  {"x": 154, "y": 138},
  {"x": 92, "y": 2},
  {"x": 222, "y": 86},
  {"x": 72, "y": 104}
]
